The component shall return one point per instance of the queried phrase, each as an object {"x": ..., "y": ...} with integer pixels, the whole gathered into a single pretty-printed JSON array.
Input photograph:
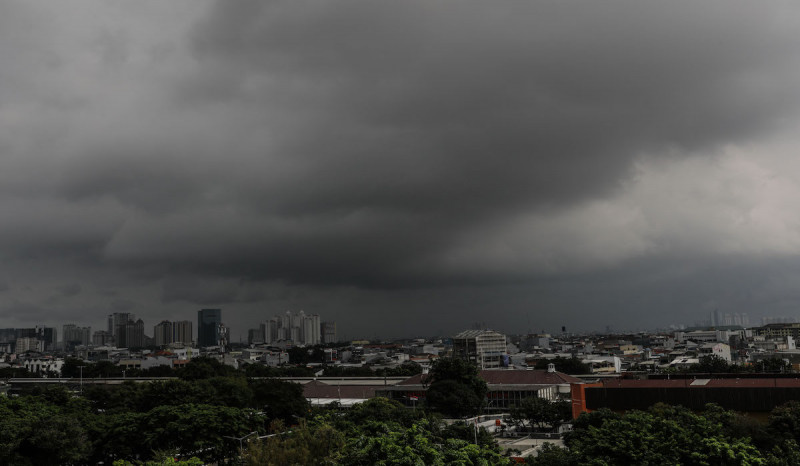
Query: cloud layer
[{"x": 383, "y": 162}]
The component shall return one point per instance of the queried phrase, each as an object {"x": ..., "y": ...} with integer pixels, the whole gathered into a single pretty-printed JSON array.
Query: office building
[
  {"x": 26, "y": 344},
  {"x": 182, "y": 332},
  {"x": 117, "y": 322},
  {"x": 485, "y": 348},
  {"x": 163, "y": 333},
  {"x": 208, "y": 323},
  {"x": 102, "y": 338},
  {"x": 130, "y": 334},
  {"x": 73, "y": 336},
  {"x": 255, "y": 336},
  {"x": 328, "y": 330},
  {"x": 269, "y": 330}
]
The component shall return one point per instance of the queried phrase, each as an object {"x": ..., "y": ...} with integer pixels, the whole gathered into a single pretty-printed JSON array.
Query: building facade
[
  {"x": 72, "y": 336},
  {"x": 328, "y": 331},
  {"x": 208, "y": 322},
  {"x": 485, "y": 348},
  {"x": 182, "y": 332},
  {"x": 163, "y": 333}
]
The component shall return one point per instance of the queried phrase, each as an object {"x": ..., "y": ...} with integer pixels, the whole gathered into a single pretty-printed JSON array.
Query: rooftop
[{"x": 512, "y": 377}]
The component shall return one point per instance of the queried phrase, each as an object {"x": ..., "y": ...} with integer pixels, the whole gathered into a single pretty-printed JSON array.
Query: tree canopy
[{"x": 455, "y": 388}]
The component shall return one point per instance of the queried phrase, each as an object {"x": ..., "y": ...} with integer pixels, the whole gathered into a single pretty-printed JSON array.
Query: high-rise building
[
  {"x": 310, "y": 334},
  {"x": 118, "y": 321},
  {"x": 72, "y": 336},
  {"x": 269, "y": 329},
  {"x": 255, "y": 336},
  {"x": 328, "y": 331},
  {"x": 102, "y": 338},
  {"x": 286, "y": 326},
  {"x": 163, "y": 333},
  {"x": 48, "y": 335},
  {"x": 130, "y": 334},
  {"x": 182, "y": 332},
  {"x": 25, "y": 344},
  {"x": 208, "y": 322}
]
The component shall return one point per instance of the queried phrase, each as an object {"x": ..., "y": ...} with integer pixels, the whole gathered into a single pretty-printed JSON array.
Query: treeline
[
  {"x": 200, "y": 417},
  {"x": 190, "y": 417},
  {"x": 75, "y": 368}
]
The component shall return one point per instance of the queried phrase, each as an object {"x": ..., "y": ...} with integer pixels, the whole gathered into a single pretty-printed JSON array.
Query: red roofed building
[
  {"x": 507, "y": 388},
  {"x": 750, "y": 394}
]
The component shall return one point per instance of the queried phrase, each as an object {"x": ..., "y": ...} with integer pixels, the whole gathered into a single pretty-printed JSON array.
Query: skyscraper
[
  {"x": 118, "y": 322},
  {"x": 73, "y": 335},
  {"x": 182, "y": 332},
  {"x": 163, "y": 333},
  {"x": 208, "y": 321},
  {"x": 329, "y": 332},
  {"x": 130, "y": 334}
]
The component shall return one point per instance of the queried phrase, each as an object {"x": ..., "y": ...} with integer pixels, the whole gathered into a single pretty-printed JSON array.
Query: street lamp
[{"x": 241, "y": 443}]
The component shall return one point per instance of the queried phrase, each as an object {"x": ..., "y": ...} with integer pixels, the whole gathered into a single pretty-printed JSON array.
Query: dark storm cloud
[
  {"x": 408, "y": 157},
  {"x": 362, "y": 138},
  {"x": 71, "y": 289}
]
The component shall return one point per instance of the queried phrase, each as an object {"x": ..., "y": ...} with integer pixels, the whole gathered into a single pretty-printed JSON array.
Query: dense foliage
[
  {"x": 197, "y": 416},
  {"x": 674, "y": 435},
  {"x": 211, "y": 412},
  {"x": 565, "y": 365},
  {"x": 454, "y": 388},
  {"x": 377, "y": 432},
  {"x": 538, "y": 413}
]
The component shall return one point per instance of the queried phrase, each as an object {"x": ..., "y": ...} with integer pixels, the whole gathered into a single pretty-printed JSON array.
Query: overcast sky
[{"x": 404, "y": 168}]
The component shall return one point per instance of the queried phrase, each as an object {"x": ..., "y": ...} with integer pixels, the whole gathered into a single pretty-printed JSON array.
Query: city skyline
[{"x": 527, "y": 165}]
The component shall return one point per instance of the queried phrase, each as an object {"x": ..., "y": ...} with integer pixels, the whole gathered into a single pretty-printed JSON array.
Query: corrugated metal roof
[
  {"x": 512, "y": 377},
  {"x": 317, "y": 389},
  {"x": 476, "y": 333},
  {"x": 696, "y": 383}
]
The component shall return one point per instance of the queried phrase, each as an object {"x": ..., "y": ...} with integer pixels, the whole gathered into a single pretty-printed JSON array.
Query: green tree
[
  {"x": 279, "y": 399},
  {"x": 712, "y": 364},
  {"x": 35, "y": 431},
  {"x": 551, "y": 455},
  {"x": 205, "y": 368},
  {"x": 302, "y": 445},
  {"x": 541, "y": 413},
  {"x": 391, "y": 444},
  {"x": 191, "y": 430},
  {"x": 299, "y": 355},
  {"x": 455, "y": 388},
  {"x": 168, "y": 461},
  {"x": 784, "y": 422},
  {"x": 662, "y": 435},
  {"x": 566, "y": 365},
  {"x": 13, "y": 372},
  {"x": 772, "y": 365}
]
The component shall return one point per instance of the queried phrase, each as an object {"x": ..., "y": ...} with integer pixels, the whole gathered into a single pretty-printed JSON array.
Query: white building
[
  {"x": 43, "y": 366},
  {"x": 716, "y": 349},
  {"x": 486, "y": 348}
]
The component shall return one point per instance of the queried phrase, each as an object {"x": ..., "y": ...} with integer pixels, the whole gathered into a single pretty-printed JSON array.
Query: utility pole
[{"x": 81, "y": 369}]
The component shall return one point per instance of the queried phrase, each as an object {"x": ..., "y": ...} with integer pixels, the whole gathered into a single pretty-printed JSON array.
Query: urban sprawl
[{"x": 519, "y": 398}]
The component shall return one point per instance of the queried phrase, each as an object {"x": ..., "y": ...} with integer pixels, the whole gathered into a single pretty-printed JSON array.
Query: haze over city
[{"x": 401, "y": 168}]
